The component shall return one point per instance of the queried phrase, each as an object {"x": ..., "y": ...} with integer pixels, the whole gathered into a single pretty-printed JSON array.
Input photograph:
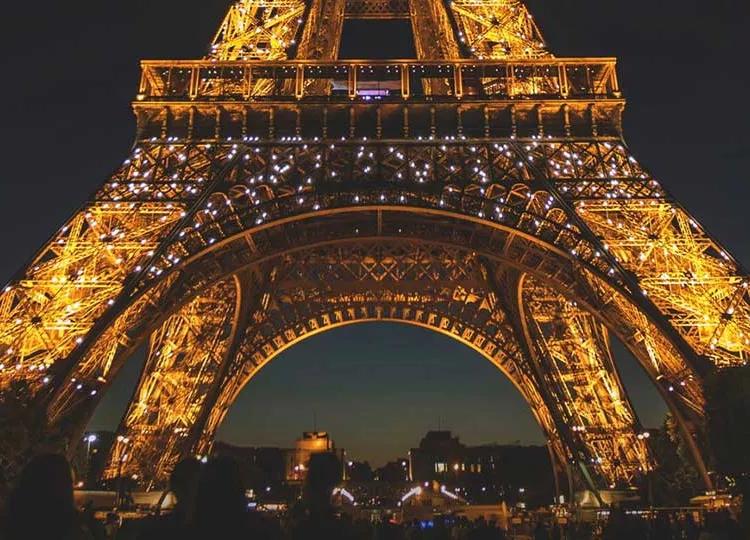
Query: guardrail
[{"x": 205, "y": 80}]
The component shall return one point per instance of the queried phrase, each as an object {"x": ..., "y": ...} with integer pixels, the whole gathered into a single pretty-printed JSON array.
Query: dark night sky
[{"x": 69, "y": 70}]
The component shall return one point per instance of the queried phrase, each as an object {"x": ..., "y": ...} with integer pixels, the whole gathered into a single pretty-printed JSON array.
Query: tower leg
[{"x": 184, "y": 358}]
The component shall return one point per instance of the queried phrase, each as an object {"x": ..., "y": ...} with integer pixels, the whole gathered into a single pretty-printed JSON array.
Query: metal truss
[
  {"x": 430, "y": 286},
  {"x": 45, "y": 313},
  {"x": 285, "y": 178},
  {"x": 258, "y": 30},
  {"x": 574, "y": 350},
  {"x": 185, "y": 353},
  {"x": 497, "y": 29},
  {"x": 434, "y": 38},
  {"x": 688, "y": 275},
  {"x": 267, "y": 29}
]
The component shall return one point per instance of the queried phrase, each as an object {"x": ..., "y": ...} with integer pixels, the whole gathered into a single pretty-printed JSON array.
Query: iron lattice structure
[{"x": 482, "y": 190}]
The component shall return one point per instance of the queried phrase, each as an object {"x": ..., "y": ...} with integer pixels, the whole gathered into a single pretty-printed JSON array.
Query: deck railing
[{"x": 205, "y": 80}]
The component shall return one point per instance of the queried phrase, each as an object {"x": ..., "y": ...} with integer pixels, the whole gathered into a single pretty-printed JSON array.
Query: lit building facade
[
  {"x": 298, "y": 458},
  {"x": 273, "y": 467},
  {"x": 485, "y": 473}
]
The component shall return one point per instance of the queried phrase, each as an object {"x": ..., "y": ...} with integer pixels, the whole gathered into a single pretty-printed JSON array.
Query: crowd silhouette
[{"x": 211, "y": 504}]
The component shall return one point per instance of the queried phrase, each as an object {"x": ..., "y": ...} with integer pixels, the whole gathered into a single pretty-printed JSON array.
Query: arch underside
[{"x": 568, "y": 380}]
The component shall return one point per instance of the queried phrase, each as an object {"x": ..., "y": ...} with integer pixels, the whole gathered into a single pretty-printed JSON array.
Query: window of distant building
[{"x": 441, "y": 467}]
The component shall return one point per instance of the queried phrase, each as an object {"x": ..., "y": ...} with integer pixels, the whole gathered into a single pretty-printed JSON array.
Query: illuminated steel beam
[
  {"x": 46, "y": 312},
  {"x": 258, "y": 30},
  {"x": 578, "y": 367},
  {"x": 497, "y": 29},
  {"x": 185, "y": 355},
  {"x": 296, "y": 311}
]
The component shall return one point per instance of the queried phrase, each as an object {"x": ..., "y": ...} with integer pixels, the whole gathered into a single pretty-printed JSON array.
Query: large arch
[{"x": 624, "y": 460}]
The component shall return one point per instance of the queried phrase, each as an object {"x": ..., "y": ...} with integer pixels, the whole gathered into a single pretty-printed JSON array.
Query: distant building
[
  {"x": 359, "y": 471},
  {"x": 269, "y": 467},
  {"x": 298, "y": 458},
  {"x": 486, "y": 473},
  {"x": 394, "y": 472},
  {"x": 262, "y": 466}
]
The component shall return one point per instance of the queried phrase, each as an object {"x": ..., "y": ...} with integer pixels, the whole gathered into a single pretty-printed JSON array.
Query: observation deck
[{"x": 379, "y": 99}]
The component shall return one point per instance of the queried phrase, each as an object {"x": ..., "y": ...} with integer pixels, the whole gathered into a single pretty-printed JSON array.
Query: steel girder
[{"x": 185, "y": 354}]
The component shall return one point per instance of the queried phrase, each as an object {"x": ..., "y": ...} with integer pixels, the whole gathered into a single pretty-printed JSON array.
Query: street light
[
  {"x": 124, "y": 442},
  {"x": 90, "y": 438}
]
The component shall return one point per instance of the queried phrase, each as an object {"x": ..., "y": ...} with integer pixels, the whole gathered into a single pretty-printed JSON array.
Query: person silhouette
[
  {"x": 183, "y": 483},
  {"x": 221, "y": 509},
  {"x": 41, "y": 506},
  {"x": 315, "y": 514}
]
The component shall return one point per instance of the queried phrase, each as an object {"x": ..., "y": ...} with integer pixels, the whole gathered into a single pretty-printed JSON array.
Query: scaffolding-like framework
[{"x": 482, "y": 190}]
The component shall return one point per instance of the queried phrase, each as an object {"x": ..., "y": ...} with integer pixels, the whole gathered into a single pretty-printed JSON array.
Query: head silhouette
[
  {"x": 220, "y": 503},
  {"x": 323, "y": 473},
  {"x": 183, "y": 481},
  {"x": 41, "y": 505}
]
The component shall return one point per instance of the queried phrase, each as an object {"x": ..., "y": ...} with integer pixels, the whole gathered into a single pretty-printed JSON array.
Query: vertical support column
[
  {"x": 217, "y": 123},
  {"x": 458, "y": 81},
  {"x": 505, "y": 284},
  {"x": 191, "y": 122},
  {"x": 271, "y": 123},
  {"x": 352, "y": 122},
  {"x": 322, "y": 33},
  {"x": 582, "y": 376},
  {"x": 405, "y": 82},
  {"x": 299, "y": 82},
  {"x": 352, "y": 82},
  {"x": 562, "y": 74},
  {"x": 194, "y": 82},
  {"x": 592, "y": 118},
  {"x": 250, "y": 297},
  {"x": 434, "y": 37},
  {"x": 165, "y": 123},
  {"x": 248, "y": 83}
]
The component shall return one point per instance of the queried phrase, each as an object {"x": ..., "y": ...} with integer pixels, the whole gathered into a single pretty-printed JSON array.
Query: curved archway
[
  {"x": 249, "y": 250},
  {"x": 408, "y": 281}
]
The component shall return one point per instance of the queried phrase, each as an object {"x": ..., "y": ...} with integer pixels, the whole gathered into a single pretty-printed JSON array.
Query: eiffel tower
[{"x": 482, "y": 190}]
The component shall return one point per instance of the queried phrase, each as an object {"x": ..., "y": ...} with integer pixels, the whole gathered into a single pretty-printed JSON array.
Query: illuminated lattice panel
[
  {"x": 687, "y": 275},
  {"x": 258, "y": 30},
  {"x": 498, "y": 29},
  {"x": 689, "y": 278},
  {"x": 587, "y": 387},
  {"x": 75, "y": 278},
  {"x": 185, "y": 356}
]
